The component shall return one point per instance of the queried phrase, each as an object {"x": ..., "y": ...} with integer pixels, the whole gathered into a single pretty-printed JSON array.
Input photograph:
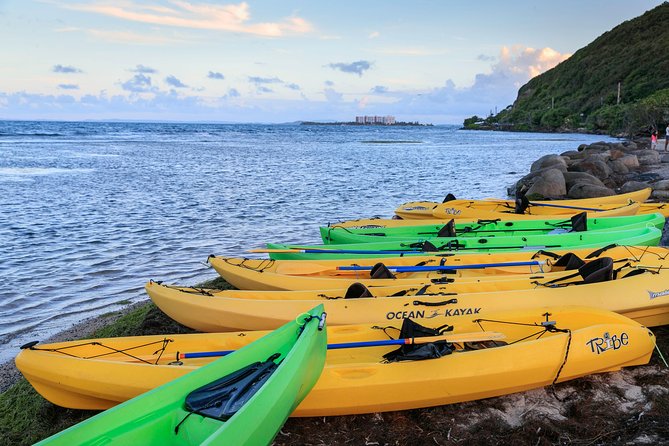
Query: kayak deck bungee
[
  {"x": 639, "y": 290},
  {"x": 242, "y": 399},
  {"x": 640, "y": 236},
  {"x": 276, "y": 275},
  {"x": 541, "y": 346},
  {"x": 423, "y": 209},
  {"x": 335, "y": 234}
]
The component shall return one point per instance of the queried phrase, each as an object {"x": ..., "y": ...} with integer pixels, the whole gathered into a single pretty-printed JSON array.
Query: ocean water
[{"x": 90, "y": 211}]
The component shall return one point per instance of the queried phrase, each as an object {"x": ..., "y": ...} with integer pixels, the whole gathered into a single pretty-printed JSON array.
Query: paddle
[
  {"x": 411, "y": 269},
  {"x": 301, "y": 267},
  {"x": 452, "y": 338}
]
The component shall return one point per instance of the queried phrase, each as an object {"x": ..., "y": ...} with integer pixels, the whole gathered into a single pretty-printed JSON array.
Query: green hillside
[{"x": 582, "y": 92}]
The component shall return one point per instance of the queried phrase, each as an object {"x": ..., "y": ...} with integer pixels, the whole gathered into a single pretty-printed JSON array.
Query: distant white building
[{"x": 385, "y": 120}]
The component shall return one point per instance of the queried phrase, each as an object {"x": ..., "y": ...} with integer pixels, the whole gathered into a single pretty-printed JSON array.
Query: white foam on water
[{"x": 33, "y": 171}]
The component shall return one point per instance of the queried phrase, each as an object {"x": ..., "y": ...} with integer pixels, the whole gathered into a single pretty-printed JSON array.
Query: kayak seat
[
  {"x": 569, "y": 261},
  {"x": 428, "y": 247},
  {"x": 356, "y": 291},
  {"x": 579, "y": 222},
  {"x": 417, "y": 352},
  {"x": 599, "y": 270},
  {"x": 522, "y": 203},
  {"x": 448, "y": 230},
  {"x": 381, "y": 271},
  {"x": 222, "y": 398},
  {"x": 449, "y": 197}
]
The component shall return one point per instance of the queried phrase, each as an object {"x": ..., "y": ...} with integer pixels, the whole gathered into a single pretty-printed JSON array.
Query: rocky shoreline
[{"x": 598, "y": 170}]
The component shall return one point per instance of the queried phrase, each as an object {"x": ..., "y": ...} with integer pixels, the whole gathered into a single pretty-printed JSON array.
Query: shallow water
[{"x": 91, "y": 211}]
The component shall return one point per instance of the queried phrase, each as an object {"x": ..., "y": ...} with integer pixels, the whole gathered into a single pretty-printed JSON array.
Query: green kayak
[
  {"x": 442, "y": 245},
  {"x": 335, "y": 234},
  {"x": 242, "y": 399}
]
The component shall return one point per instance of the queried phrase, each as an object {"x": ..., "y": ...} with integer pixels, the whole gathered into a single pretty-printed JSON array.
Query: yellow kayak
[
  {"x": 277, "y": 275},
  {"x": 479, "y": 358},
  {"x": 637, "y": 292},
  {"x": 423, "y": 209}
]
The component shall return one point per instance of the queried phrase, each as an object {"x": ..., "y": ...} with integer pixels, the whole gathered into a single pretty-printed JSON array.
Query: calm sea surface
[{"x": 90, "y": 211}]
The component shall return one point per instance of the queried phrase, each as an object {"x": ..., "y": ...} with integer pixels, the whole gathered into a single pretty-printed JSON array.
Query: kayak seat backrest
[
  {"x": 381, "y": 271},
  {"x": 569, "y": 261},
  {"x": 428, "y": 247},
  {"x": 356, "y": 291},
  {"x": 599, "y": 270},
  {"x": 579, "y": 222},
  {"x": 522, "y": 203},
  {"x": 222, "y": 398},
  {"x": 448, "y": 230},
  {"x": 449, "y": 197},
  {"x": 416, "y": 352}
]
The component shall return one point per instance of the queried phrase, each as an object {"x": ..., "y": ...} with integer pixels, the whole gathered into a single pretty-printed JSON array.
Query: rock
[
  {"x": 600, "y": 156},
  {"x": 664, "y": 158},
  {"x": 549, "y": 161},
  {"x": 648, "y": 157},
  {"x": 550, "y": 184},
  {"x": 632, "y": 186},
  {"x": 572, "y": 178},
  {"x": 597, "y": 168},
  {"x": 616, "y": 154},
  {"x": 581, "y": 190},
  {"x": 648, "y": 177},
  {"x": 662, "y": 195},
  {"x": 582, "y": 147},
  {"x": 631, "y": 161},
  {"x": 573, "y": 154},
  {"x": 619, "y": 167},
  {"x": 661, "y": 185},
  {"x": 630, "y": 145},
  {"x": 601, "y": 145}
]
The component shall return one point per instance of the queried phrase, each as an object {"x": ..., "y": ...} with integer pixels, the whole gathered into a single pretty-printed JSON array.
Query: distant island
[{"x": 370, "y": 120}]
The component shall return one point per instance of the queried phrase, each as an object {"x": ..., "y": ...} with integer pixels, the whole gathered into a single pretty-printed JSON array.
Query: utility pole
[
  {"x": 618, "y": 100},
  {"x": 553, "y": 102}
]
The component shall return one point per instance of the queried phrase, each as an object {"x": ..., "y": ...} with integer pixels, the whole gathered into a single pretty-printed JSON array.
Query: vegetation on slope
[{"x": 581, "y": 93}]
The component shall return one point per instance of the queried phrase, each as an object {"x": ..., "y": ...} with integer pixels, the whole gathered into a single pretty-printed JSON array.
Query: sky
[{"x": 433, "y": 61}]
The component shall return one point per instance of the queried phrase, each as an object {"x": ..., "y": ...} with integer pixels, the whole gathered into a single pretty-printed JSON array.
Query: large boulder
[
  {"x": 573, "y": 154},
  {"x": 572, "y": 178},
  {"x": 595, "y": 167},
  {"x": 549, "y": 161},
  {"x": 630, "y": 145},
  {"x": 618, "y": 167},
  {"x": 616, "y": 153},
  {"x": 632, "y": 186},
  {"x": 648, "y": 157},
  {"x": 550, "y": 184},
  {"x": 631, "y": 161},
  {"x": 662, "y": 195},
  {"x": 581, "y": 190},
  {"x": 661, "y": 185}
]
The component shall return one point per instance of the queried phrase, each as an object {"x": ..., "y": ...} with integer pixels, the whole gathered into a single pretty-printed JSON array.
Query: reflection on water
[{"x": 90, "y": 211}]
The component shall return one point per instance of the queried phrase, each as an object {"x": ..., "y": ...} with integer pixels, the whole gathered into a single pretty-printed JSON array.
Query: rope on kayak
[
  {"x": 61, "y": 350},
  {"x": 546, "y": 327},
  {"x": 266, "y": 263}
]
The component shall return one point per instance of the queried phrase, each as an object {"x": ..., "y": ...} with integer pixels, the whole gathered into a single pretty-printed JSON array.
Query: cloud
[
  {"x": 129, "y": 37},
  {"x": 262, "y": 89},
  {"x": 485, "y": 58},
  {"x": 264, "y": 80},
  {"x": 215, "y": 75},
  {"x": 68, "y": 86},
  {"x": 293, "y": 87},
  {"x": 328, "y": 83},
  {"x": 65, "y": 69},
  {"x": 142, "y": 69},
  {"x": 232, "y": 93},
  {"x": 174, "y": 82},
  {"x": 374, "y": 35},
  {"x": 207, "y": 16},
  {"x": 379, "y": 89},
  {"x": 413, "y": 51},
  {"x": 139, "y": 83},
  {"x": 357, "y": 67},
  {"x": 332, "y": 96}
]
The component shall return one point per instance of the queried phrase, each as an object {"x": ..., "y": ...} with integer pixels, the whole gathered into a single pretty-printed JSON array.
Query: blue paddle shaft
[{"x": 410, "y": 269}]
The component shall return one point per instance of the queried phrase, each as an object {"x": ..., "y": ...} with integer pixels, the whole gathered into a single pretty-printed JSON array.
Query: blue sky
[{"x": 268, "y": 61}]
